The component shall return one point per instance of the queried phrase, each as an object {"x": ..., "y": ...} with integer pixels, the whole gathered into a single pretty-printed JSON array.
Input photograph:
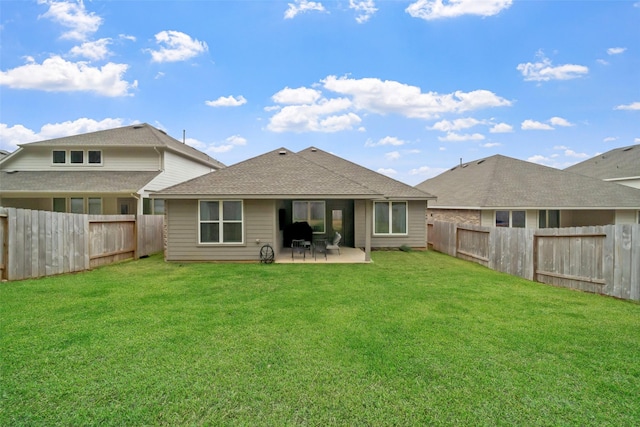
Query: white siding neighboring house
[
  {"x": 506, "y": 192},
  {"x": 105, "y": 172}
]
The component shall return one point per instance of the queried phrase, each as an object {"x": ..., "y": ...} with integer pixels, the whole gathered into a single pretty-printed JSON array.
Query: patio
[{"x": 346, "y": 256}]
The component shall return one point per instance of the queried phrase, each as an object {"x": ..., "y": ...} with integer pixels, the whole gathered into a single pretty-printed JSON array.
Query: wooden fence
[
  {"x": 602, "y": 259},
  {"x": 39, "y": 243}
]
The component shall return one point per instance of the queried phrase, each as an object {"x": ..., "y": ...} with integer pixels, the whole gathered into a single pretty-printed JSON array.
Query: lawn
[{"x": 415, "y": 338}]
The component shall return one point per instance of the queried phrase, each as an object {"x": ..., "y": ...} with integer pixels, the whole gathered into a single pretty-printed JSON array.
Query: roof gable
[
  {"x": 388, "y": 187},
  {"x": 282, "y": 173},
  {"x": 502, "y": 182},
  {"x": 139, "y": 135}
]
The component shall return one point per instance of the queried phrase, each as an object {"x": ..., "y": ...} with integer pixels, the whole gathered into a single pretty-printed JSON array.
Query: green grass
[{"x": 415, "y": 338}]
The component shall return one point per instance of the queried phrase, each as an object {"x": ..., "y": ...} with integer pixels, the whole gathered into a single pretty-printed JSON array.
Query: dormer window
[
  {"x": 95, "y": 157},
  {"x": 77, "y": 156},
  {"x": 59, "y": 156}
]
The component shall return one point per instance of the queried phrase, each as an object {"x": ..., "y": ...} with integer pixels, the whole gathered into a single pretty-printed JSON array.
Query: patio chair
[
  {"x": 335, "y": 245},
  {"x": 298, "y": 246},
  {"x": 320, "y": 246}
]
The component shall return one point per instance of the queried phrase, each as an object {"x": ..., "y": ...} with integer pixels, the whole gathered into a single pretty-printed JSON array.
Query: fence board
[
  {"x": 600, "y": 259},
  {"x": 41, "y": 243}
]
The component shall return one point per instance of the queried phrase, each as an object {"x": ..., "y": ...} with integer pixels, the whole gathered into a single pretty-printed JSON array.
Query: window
[
  {"x": 77, "y": 205},
  {"x": 390, "y": 217},
  {"x": 221, "y": 221},
  {"x": 548, "y": 219},
  {"x": 76, "y": 156},
  {"x": 59, "y": 156},
  {"x": 311, "y": 212},
  {"x": 153, "y": 206},
  {"x": 95, "y": 157},
  {"x": 59, "y": 204},
  {"x": 516, "y": 219},
  {"x": 95, "y": 206}
]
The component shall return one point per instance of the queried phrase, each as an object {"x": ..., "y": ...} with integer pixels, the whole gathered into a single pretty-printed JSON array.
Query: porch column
[{"x": 368, "y": 228}]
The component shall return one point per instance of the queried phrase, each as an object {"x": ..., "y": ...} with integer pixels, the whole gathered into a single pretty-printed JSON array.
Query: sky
[{"x": 406, "y": 88}]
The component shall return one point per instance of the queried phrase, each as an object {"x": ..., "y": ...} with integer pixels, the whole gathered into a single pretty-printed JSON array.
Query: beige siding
[
  {"x": 182, "y": 233},
  {"x": 417, "y": 228},
  {"x": 176, "y": 169},
  {"x": 113, "y": 158}
]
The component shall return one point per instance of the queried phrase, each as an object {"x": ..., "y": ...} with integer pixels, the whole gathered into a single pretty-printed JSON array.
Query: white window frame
[
  {"x": 308, "y": 216},
  {"x": 85, "y": 158},
  {"x": 221, "y": 223},
  {"x": 390, "y": 203}
]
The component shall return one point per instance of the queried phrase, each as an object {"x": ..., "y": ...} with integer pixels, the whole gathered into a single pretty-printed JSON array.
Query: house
[
  {"x": 620, "y": 165},
  {"x": 105, "y": 172},
  {"x": 505, "y": 192},
  {"x": 228, "y": 215}
]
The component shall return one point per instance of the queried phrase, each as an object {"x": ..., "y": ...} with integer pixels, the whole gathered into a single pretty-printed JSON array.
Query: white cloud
[
  {"x": 491, "y": 145},
  {"x": 176, "y": 46},
  {"x": 365, "y": 9},
  {"x": 392, "y": 155},
  {"x": 571, "y": 153},
  {"x": 72, "y": 15},
  {"x": 455, "y": 137},
  {"x": 534, "y": 125},
  {"x": 227, "y": 101},
  {"x": 58, "y": 75},
  {"x": 304, "y": 109},
  {"x": 317, "y": 117},
  {"x": 632, "y": 106},
  {"x": 387, "y": 171},
  {"x": 10, "y": 137},
  {"x": 457, "y": 124},
  {"x": 435, "y": 9},
  {"x": 427, "y": 171},
  {"x": 636, "y": 140},
  {"x": 539, "y": 159},
  {"x": 501, "y": 128},
  {"x": 602, "y": 62},
  {"x": 387, "y": 140},
  {"x": 384, "y": 97},
  {"x": 559, "y": 121},
  {"x": 94, "y": 50},
  {"x": 610, "y": 139},
  {"x": 543, "y": 70},
  {"x": 301, "y": 6},
  {"x": 616, "y": 50},
  {"x": 301, "y": 95},
  {"x": 229, "y": 144}
]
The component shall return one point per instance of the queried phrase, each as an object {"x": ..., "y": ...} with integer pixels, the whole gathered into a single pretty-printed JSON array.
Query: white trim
[
  {"x": 221, "y": 223},
  {"x": 390, "y": 205}
]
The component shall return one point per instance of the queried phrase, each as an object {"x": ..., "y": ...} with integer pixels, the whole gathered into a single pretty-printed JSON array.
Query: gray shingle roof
[
  {"x": 134, "y": 135},
  {"x": 282, "y": 173},
  {"x": 503, "y": 182},
  {"x": 621, "y": 162},
  {"x": 74, "y": 181},
  {"x": 382, "y": 184}
]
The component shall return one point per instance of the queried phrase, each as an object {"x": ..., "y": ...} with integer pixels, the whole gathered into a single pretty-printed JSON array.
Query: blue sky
[{"x": 406, "y": 88}]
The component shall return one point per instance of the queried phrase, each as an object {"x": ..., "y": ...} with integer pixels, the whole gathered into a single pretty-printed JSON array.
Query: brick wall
[{"x": 461, "y": 216}]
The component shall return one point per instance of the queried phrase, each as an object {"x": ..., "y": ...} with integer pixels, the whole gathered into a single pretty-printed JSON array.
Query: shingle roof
[
  {"x": 621, "y": 162},
  {"x": 500, "y": 181},
  {"x": 388, "y": 187},
  {"x": 74, "y": 181},
  {"x": 134, "y": 135},
  {"x": 281, "y": 173}
]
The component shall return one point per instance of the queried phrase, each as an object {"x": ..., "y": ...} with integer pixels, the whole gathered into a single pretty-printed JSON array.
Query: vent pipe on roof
[
  {"x": 460, "y": 161},
  {"x": 184, "y": 136}
]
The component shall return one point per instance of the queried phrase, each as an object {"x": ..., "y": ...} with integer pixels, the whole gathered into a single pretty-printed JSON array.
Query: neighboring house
[
  {"x": 230, "y": 214},
  {"x": 3, "y": 154},
  {"x": 505, "y": 192},
  {"x": 621, "y": 165},
  {"x": 106, "y": 172}
]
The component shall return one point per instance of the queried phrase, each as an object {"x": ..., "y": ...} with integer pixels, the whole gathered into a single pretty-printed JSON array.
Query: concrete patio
[{"x": 346, "y": 256}]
